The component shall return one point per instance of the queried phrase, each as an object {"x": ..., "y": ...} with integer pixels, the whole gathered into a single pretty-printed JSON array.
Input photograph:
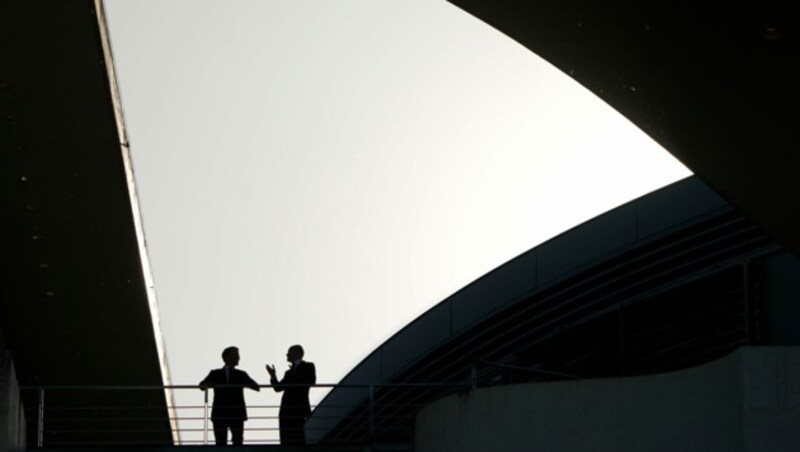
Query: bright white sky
[{"x": 323, "y": 172}]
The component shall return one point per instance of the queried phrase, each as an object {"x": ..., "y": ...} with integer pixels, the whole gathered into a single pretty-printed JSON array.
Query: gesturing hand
[{"x": 271, "y": 370}]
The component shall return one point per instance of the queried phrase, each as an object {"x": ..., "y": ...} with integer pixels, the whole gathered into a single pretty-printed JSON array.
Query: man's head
[
  {"x": 295, "y": 352},
  {"x": 231, "y": 356}
]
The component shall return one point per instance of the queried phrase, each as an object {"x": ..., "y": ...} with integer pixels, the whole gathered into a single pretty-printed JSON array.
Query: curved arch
[
  {"x": 561, "y": 306},
  {"x": 716, "y": 86}
]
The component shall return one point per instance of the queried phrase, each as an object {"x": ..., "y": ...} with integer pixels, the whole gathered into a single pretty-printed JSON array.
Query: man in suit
[
  {"x": 295, "y": 407},
  {"x": 229, "y": 411}
]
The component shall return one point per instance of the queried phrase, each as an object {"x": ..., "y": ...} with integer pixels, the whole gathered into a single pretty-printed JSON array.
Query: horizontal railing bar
[
  {"x": 103, "y": 408},
  {"x": 74, "y": 443},
  {"x": 68, "y": 420}
]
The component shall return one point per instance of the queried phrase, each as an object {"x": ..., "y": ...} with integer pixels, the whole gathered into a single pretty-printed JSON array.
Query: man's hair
[
  {"x": 298, "y": 349},
  {"x": 228, "y": 352}
]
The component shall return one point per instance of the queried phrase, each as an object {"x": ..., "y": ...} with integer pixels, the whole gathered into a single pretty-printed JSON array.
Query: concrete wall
[
  {"x": 781, "y": 291},
  {"x": 747, "y": 401},
  {"x": 12, "y": 419}
]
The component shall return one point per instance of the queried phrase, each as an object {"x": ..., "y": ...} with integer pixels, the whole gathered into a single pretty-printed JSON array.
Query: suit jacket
[
  {"x": 294, "y": 401},
  {"x": 228, "y": 401}
]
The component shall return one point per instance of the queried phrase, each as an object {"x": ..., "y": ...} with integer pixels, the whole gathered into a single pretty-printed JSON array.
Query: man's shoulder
[
  {"x": 307, "y": 368},
  {"x": 214, "y": 376},
  {"x": 240, "y": 374},
  {"x": 304, "y": 366}
]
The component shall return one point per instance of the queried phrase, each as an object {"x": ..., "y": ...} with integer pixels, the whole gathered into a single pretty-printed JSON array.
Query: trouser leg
[
  {"x": 291, "y": 428},
  {"x": 220, "y": 432},
  {"x": 237, "y": 432}
]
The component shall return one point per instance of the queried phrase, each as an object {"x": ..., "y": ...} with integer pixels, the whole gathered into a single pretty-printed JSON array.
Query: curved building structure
[
  {"x": 715, "y": 85},
  {"x": 674, "y": 279}
]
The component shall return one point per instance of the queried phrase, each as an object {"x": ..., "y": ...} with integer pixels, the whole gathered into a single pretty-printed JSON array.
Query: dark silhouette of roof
[
  {"x": 715, "y": 84},
  {"x": 74, "y": 308}
]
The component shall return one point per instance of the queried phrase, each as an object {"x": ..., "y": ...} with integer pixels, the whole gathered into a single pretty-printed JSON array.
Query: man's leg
[
  {"x": 220, "y": 432},
  {"x": 291, "y": 427},
  {"x": 282, "y": 429},
  {"x": 237, "y": 432},
  {"x": 301, "y": 429}
]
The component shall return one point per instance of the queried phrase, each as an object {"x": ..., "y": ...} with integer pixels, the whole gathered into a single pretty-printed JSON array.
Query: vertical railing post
[
  {"x": 40, "y": 420},
  {"x": 205, "y": 417},
  {"x": 371, "y": 411}
]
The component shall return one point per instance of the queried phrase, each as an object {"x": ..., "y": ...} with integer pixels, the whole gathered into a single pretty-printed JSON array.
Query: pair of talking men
[{"x": 229, "y": 412}]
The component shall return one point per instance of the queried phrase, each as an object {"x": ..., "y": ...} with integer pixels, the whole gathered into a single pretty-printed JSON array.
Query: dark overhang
[
  {"x": 76, "y": 305},
  {"x": 715, "y": 84}
]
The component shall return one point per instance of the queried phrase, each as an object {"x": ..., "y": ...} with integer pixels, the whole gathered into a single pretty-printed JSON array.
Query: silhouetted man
[
  {"x": 229, "y": 411},
  {"x": 295, "y": 408}
]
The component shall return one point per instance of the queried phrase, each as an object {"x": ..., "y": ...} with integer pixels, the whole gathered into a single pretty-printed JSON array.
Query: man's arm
[
  {"x": 251, "y": 383},
  {"x": 273, "y": 379},
  {"x": 207, "y": 382}
]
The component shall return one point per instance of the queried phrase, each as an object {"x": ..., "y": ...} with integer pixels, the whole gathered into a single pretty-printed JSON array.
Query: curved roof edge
[
  {"x": 668, "y": 69},
  {"x": 643, "y": 219},
  {"x": 631, "y": 225}
]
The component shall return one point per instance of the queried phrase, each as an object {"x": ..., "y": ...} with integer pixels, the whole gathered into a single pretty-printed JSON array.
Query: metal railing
[{"x": 142, "y": 415}]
